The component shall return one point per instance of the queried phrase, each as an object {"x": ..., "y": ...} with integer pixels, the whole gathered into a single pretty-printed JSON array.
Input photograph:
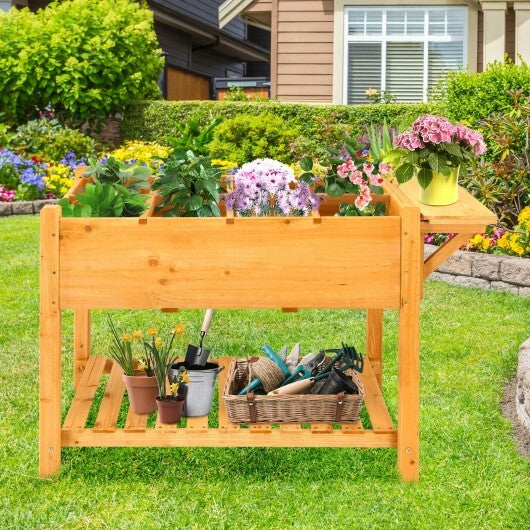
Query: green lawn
[{"x": 471, "y": 476}]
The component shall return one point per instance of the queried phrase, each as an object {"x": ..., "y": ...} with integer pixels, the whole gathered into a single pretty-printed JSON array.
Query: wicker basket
[{"x": 301, "y": 408}]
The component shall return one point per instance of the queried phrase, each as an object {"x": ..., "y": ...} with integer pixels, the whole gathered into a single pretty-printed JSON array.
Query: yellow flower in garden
[
  {"x": 137, "y": 335},
  {"x": 141, "y": 365},
  {"x": 524, "y": 215},
  {"x": 174, "y": 387},
  {"x": 502, "y": 242},
  {"x": 185, "y": 377},
  {"x": 126, "y": 337},
  {"x": 179, "y": 329},
  {"x": 477, "y": 240},
  {"x": 485, "y": 244},
  {"x": 142, "y": 152},
  {"x": 152, "y": 331},
  {"x": 158, "y": 342}
]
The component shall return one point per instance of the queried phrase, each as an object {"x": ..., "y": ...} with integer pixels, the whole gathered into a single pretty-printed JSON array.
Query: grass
[{"x": 471, "y": 476}]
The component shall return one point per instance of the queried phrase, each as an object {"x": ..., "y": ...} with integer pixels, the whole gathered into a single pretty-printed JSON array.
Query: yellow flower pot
[{"x": 442, "y": 190}]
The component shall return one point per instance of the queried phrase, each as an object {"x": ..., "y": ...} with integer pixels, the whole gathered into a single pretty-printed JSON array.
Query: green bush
[
  {"x": 245, "y": 138},
  {"x": 85, "y": 60},
  {"x": 51, "y": 139},
  {"x": 471, "y": 97},
  {"x": 318, "y": 125}
]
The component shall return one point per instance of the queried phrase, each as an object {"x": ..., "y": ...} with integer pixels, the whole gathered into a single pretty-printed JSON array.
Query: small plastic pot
[
  {"x": 169, "y": 411},
  {"x": 337, "y": 382},
  {"x": 142, "y": 391}
]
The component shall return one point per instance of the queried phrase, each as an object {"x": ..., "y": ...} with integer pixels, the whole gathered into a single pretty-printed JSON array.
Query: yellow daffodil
[
  {"x": 141, "y": 365},
  {"x": 126, "y": 337},
  {"x": 179, "y": 329},
  {"x": 152, "y": 331},
  {"x": 174, "y": 387},
  {"x": 158, "y": 342},
  {"x": 137, "y": 335},
  {"x": 185, "y": 377}
]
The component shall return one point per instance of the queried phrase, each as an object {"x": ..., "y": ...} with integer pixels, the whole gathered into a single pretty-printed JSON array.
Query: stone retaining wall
[
  {"x": 24, "y": 207},
  {"x": 486, "y": 271}
]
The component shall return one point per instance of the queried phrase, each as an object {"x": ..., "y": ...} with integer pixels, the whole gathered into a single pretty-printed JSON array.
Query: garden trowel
[{"x": 197, "y": 356}]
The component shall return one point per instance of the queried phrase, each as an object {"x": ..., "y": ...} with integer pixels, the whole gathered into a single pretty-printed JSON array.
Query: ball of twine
[{"x": 268, "y": 372}]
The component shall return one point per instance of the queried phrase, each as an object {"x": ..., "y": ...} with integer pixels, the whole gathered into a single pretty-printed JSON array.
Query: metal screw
[
  {"x": 408, "y": 450},
  {"x": 50, "y": 449}
]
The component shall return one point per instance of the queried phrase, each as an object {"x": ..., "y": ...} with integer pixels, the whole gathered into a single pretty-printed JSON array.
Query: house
[
  {"x": 333, "y": 50},
  {"x": 197, "y": 52}
]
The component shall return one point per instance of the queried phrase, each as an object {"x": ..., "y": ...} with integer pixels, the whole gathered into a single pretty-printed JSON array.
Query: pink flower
[
  {"x": 345, "y": 169},
  {"x": 376, "y": 180},
  {"x": 356, "y": 177},
  {"x": 364, "y": 198},
  {"x": 385, "y": 169},
  {"x": 368, "y": 168}
]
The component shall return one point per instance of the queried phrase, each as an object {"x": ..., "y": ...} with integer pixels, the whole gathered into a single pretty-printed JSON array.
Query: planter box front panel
[{"x": 252, "y": 263}]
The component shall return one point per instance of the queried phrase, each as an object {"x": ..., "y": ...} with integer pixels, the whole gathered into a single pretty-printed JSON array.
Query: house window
[{"x": 403, "y": 51}]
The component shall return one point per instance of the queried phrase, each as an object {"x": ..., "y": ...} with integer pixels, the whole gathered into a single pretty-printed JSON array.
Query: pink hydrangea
[
  {"x": 471, "y": 137},
  {"x": 409, "y": 140}
]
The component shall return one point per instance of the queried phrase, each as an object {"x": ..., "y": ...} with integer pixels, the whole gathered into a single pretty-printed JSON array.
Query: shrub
[
  {"x": 48, "y": 138},
  {"x": 85, "y": 60},
  {"x": 24, "y": 176},
  {"x": 245, "y": 138},
  {"x": 319, "y": 125},
  {"x": 471, "y": 97}
]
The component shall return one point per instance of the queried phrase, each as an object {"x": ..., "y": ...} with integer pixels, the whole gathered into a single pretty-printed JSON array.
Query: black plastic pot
[{"x": 337, "y": 382}]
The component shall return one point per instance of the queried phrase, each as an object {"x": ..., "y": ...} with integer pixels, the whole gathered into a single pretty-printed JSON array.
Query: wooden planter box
[{"x": 322, "y": 261}]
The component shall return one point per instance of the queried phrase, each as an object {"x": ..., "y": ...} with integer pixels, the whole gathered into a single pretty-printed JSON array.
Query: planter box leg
[
  {"x": 50, "y": 345},
  {"x": 81, "y": 343},
  {"x": 409, "y": 354},
  {"x": 374, "y": 341}
]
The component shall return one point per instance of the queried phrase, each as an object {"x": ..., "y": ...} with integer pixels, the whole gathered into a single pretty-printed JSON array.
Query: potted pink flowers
[{"x": 435, "y": 151}]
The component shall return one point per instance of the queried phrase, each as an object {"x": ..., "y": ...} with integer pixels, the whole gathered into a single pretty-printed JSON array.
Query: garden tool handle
[
  {"x": 300, "y": 373},
  {"x": 208, "y": 315},
  {"x": 256, "y": 383},
  {"x": 298, "y": 387},
  {"x": 271, "y": 354}
]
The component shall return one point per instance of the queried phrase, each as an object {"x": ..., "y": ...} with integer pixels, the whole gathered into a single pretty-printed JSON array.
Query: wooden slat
[
  {"x": 306, "y": 68},
  {"x": 222, "y": 378},
  {"x": 352, "y": 428},
  {"x": 305, "y": 58},
  {"x": 111, "y": 402},
  {"x": 50, "y": 344},
  {"x": 308, "y": 5},
  {"x": 227, "y": 438},
  {"x": 166, "y": 266},
  {"x": 320, "y": 428},
  {"x": 304, "y": 16},
  {"x": 305, "y": 47},
  {"x": 305, "y": 37},
  {"x": 135, "y": 422},
  {"x": 444, "y": 252},
  {"x": 289, "y": 427},
  {"x": 291, "y": 79},
  {"x": 199, "y": 424},
  {"x": 374, "y": 402},
  {"x": 309, "y": 27},
  {"x": 80, "y": 407},
  {"x": 303, "y": 90}
]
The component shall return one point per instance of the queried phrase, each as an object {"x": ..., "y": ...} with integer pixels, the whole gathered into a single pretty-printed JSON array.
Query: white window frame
[{"x": 384, "y": 39}]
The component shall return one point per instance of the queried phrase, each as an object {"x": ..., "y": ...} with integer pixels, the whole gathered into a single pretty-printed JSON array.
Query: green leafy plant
[
  {"x": 113, "y": 171},
  {"x": 191, "y": 136},
  {"x": 189, "y": 185},
  {"x": 99, "y": 200},
  {"x": 121, "y": 349},
  {"x": 84, "y": 60},
  {"x": 245, "y": 138},
  {"x": 236, "y": 93},
  {"x": 49, "y": 138},
  {"x": 350, "y": 210}
]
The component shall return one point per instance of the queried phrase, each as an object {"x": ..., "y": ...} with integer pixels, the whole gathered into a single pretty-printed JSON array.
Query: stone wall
[
  {"x": 486, "y": 271},
  {"x": 24, "y": 207}
]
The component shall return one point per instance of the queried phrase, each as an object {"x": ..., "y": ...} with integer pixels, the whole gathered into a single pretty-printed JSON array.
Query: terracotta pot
[
  {"x": 142, "y": 392},
  {"x": 169, "y": 411}
]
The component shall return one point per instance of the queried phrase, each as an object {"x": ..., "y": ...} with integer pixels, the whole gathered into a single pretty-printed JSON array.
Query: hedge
[{"x": 152, "y": 120}]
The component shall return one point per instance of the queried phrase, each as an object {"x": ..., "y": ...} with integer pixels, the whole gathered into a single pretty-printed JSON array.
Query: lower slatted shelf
[{"x": 195, "y": 432}]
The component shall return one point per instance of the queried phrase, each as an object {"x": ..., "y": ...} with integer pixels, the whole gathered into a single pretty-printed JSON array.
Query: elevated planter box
[{"x": 321, "y": 261}]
